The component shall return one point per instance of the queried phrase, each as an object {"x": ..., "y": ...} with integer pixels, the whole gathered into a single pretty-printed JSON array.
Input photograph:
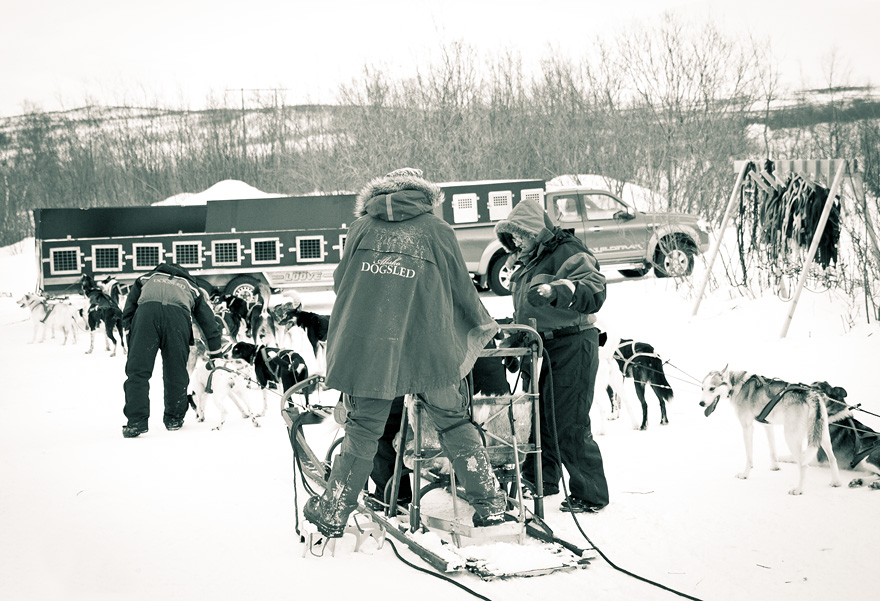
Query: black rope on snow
[{"x": 552, "y": 407}]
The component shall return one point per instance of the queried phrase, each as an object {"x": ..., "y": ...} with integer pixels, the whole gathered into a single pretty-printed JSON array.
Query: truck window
[
  {"x": 567, "y": 209},
  {"x": 601, "y": 206}
]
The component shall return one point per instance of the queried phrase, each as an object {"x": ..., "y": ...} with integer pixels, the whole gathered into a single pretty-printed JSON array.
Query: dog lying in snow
[
  {"x": 800, "y": 409},
  {"x": 49, "y": 315},
  {"x": 855, "y": 444}
]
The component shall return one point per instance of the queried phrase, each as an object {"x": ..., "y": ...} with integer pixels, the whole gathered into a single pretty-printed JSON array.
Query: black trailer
[{"x": 235, "y": 245}]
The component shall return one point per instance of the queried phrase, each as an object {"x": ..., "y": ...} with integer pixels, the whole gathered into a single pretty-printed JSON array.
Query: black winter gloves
[{"x": 540, "y": 295}]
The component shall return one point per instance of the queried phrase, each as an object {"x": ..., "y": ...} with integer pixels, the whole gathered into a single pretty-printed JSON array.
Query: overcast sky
[{"x": 62, "y": 53}]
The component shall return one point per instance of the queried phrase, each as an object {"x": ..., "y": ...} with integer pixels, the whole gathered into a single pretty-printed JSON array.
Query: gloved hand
[
  {"x": 540, "y": 295},
  {"x": 219, "y": 353}
]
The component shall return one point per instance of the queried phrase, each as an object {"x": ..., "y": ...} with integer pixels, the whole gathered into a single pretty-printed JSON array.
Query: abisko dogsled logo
[{"x": 388, "y": 267}]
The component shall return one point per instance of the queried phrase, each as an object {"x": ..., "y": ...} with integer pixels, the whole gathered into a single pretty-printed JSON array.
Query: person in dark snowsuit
[
  {"x": 556, "y": 281},
  {"x": 159, "y": 312},
  {"x": 406, "y": 320}
]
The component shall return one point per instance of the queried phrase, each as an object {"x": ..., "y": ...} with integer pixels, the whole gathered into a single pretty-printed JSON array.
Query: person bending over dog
[
  {"x": 406, "y": 320},
  {"x": 557, "y": 283},
  {"x": 159, "y": 312}
]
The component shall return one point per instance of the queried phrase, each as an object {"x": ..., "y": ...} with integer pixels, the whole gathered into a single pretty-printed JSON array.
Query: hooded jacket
[
  {"x": 172, "y": 286},
  {"x": 559, "y": 259},
  {"x": 407, "y": 317}
]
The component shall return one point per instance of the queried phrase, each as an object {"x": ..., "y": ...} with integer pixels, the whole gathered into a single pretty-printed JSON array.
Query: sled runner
[{"x": 437, "y": 525}]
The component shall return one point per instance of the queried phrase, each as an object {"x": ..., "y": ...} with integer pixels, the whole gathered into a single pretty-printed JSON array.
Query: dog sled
[{"x": 436, "y": 525}]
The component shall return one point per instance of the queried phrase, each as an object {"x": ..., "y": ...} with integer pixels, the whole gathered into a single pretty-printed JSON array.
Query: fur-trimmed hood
[
  {"x": 397, "y": 196},
  {"x": 527, "y": 220}
]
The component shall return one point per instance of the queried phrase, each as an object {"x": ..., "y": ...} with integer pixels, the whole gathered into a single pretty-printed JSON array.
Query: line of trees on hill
[{"x": 665, "y": 106}]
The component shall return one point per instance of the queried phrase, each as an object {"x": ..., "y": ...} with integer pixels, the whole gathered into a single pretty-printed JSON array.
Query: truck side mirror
[{"x": 624, "y": 215}]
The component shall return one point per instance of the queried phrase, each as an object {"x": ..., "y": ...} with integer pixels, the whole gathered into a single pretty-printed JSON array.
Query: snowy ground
[{"x": 202, "y": 514}]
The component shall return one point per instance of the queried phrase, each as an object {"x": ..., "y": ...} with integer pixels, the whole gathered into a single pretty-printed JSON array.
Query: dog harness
[
  {"x": 627, "y": 361},
  {"x": 762, "y": 417},
  {"x": 860, "y": 452}
]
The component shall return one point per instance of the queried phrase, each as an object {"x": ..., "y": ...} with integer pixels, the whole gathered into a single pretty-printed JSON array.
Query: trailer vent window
[
  {"x": 500, "y": 204},
  {"x": 535, "y": 195},
  {"x": 188, "y": 254},
  {"x": 147, "y": 256},
  {"x": 264, "y": 250},
  {"x": 226, "y": 252},
  {"x": 464, "y": 208},
  {"x": 309, "y": 249},
  {"x": 64, "y": 261},
  {"x": 107, "y": 257}
]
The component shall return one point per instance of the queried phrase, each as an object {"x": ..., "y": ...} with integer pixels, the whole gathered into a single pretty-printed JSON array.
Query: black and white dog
[
  {"x": 102, "y": 309},
  {"x": 233, "y": 310},
  {"x": 639, "y": 362},
  {"x": 273, "y": 367},
  {"x": 315, "y": 326}
]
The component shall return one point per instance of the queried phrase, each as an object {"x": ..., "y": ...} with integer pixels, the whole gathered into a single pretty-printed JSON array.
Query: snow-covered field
[{"x": 202, "y": 514}]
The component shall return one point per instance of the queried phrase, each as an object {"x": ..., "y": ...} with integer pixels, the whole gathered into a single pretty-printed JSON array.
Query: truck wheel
[
  {"x": 499, "y": 276},
  {"x": 243, "y": 286},
  {"x": 674, "y": 257}
]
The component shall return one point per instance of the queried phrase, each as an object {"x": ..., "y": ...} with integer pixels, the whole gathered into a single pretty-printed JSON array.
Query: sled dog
[
  {"x": 51, "y": 315},
  {"x": 275, "y": 368},
  {"x": 856, "y": 446},
  {"x": 103, "y": 308},
  {"x": 799, "y": 409},
  {"x": 219, "y": 379},
  {"x": 639, "y": 362}
]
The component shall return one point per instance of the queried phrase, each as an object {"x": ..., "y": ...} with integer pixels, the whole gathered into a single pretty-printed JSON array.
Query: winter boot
[
  {"x": 574, "y": 505},
  {"x": 134, "y": 431},
  {"x": 330, "y": 511},
  {"x": 483, "y": 491}
]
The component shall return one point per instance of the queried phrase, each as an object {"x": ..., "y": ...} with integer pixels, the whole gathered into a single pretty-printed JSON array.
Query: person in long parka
[{"x": 406, "y": 320}]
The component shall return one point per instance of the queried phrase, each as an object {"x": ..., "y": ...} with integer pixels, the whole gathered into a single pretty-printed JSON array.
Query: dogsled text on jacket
[{"x": 388, "y": 266}]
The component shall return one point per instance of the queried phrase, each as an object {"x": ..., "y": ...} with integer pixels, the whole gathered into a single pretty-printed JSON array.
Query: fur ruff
[{"x": 388, "y": 184}]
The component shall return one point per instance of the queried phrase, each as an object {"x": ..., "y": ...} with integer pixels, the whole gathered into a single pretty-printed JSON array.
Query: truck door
[{"x": 604, "y": 223}]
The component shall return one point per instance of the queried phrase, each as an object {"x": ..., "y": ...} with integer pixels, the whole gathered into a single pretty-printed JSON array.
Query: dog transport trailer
[{"x": 233, "y": 246}]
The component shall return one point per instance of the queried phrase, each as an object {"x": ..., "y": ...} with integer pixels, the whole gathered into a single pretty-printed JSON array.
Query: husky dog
[
  {"x": 274, "y": 368},
  {"x": 103, "y": 308},
  {"x": 855, "y": 444},
  {"x": 799, "y": 409},
  {"x": 218, "y": 379},
  {"x": 639, "y": 362},
  {"x": 51, "y": 315}
]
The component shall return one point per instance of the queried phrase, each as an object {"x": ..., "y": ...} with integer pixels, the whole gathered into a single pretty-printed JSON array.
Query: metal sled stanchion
[{"x": 505, "y": 448}]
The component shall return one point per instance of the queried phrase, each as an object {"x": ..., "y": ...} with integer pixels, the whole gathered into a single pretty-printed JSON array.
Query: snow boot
[
  {"x": 134, "y": 431},
  {"x": 575, "y": 505},
  {"x": 330, "y": 511},
  {"x": 483, "y": 491}
]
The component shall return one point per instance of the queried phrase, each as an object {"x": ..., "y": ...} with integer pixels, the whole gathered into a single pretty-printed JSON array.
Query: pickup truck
[{"x": 622, "y": 238}]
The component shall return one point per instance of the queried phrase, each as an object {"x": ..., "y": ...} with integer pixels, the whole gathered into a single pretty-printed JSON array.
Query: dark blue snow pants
[
  {"x": 157, "y": 327},
  {"x": 574, "y": 361}
]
